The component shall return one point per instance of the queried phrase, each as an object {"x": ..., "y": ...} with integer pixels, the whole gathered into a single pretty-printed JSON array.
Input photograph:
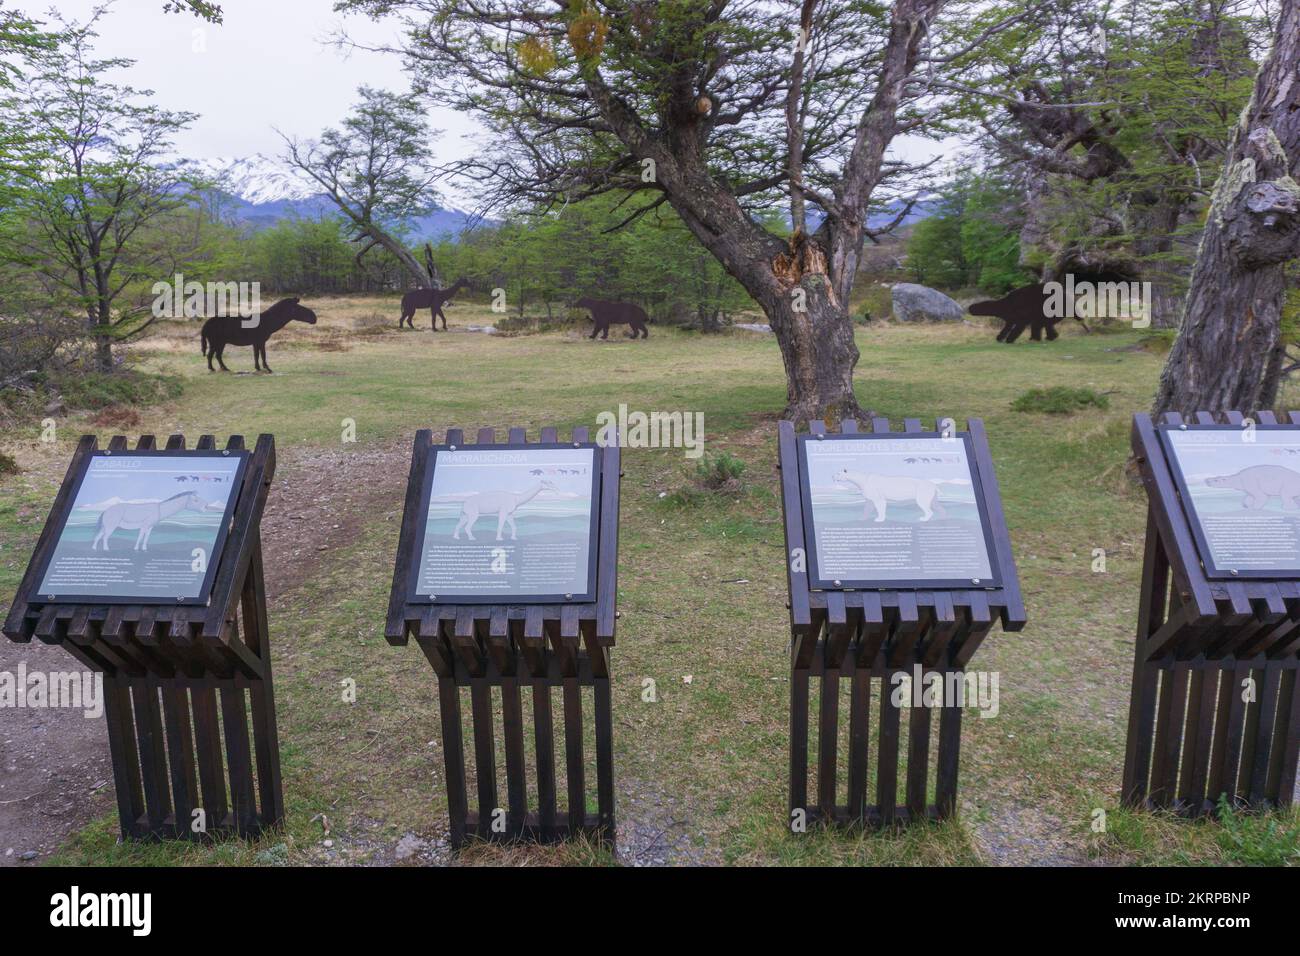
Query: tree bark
[{"x": 1232, "y": 317}]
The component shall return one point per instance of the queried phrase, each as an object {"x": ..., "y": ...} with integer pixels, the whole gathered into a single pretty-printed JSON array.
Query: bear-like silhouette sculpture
[
  {"x": 431, "y": 299},
  {"x": 605, "y": 313},
  {"x": 225, "y": 330},
  {"x": 1020, "y": 309}
]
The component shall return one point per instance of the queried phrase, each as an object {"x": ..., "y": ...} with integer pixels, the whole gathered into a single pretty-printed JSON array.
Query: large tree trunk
[
  {"x": 815, "y": 333},
  {"x": 1231, "y": 323},
  {"x": 805, "y": 302}
]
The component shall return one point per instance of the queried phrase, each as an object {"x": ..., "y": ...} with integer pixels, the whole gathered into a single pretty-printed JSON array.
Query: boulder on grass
[{"x": 919, "y": 303}]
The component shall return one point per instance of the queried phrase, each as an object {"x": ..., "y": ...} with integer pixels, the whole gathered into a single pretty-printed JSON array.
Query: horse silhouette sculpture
[
  {"x": 605, "y": 313},
  {"x": 230, "y": 330},
  {"x": 141, "y": 516},
  {"x": 431, "y": 299}
]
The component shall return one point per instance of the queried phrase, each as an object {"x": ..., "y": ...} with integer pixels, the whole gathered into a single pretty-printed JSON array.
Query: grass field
[{"x": 701, "y": 770}]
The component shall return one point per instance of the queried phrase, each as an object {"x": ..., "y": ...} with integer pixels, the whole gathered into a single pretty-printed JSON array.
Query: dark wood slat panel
[
  {"x": 573, "y": 762},
  {"x": 485, "y": 766},
  {"x": 887, "y": 763},
  {"x": 859, "y": 739},
  {"x": 234, "y": 718},
  {"x": 453, "y": 756},
  {"x": 211, "y": 767}
]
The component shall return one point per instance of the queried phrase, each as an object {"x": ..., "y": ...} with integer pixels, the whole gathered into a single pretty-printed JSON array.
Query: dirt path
[{"x": 54, "y": 770}]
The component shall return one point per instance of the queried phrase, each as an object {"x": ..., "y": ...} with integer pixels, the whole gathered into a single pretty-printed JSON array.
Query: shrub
[
  {"x": 97, "y": 390},
  {"x": 7, "y": 465},
  {"x": 717, "y": 472},
  {"x": 1059, "y": 400}
]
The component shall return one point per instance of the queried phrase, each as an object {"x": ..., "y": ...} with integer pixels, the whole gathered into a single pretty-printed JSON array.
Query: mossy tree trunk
[{"x": 1230, "y": 331}]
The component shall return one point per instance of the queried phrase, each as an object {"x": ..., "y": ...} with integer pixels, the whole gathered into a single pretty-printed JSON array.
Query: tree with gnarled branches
[
  {"x": 719, "y": 109},
  {"x": 1230, "y": 349},
  {"x": 377, "y": 169}
]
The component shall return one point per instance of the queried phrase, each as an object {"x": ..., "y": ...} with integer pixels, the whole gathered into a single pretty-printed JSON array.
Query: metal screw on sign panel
[
  {"x": 433, "y": 597},
  {"x": 225, "y": 451},
  {"x": 820, "y": 437},
  {"x": 451, "y": 447},
  {"x": 49, "y": 597},
  {"x": 1233, "y": 571},
  {"x": 836, "y": 583},
  {"x": 974, "y": 580},
  {"x": 568, "y": 597},
  {"x": 577, "y": 445},
  {"x": 1182, "y": 428},
  {"x": 108, "y": 451},
  {"x": 179, "y": 599}
]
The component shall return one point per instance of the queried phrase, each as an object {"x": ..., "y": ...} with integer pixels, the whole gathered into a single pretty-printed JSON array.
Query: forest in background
[{"x": 1078, "y": 136}]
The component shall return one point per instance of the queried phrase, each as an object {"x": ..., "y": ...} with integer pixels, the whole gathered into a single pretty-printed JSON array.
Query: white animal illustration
[
  {"x": 879, "y": 490},
  {"x": 141, "y": 516},
  {"x": 503, "y": 504}
]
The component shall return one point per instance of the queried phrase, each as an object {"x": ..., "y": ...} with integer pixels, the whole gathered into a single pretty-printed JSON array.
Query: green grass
[{"x": 701, "y": 590}]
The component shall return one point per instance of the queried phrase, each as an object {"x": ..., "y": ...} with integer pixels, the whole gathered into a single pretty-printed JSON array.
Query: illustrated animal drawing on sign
[
  {"x": 1020, "y": 309},
  {"x": 605, "y": 313},
  {"x": 226, "y": 330},
  {"x": 1259, "y": 483},
  {"x": 879, "y": 490},
  {"x": 503, "y": 504},
  {"x": 141, "y": 516},
  {"x": 431, "y": 299}
]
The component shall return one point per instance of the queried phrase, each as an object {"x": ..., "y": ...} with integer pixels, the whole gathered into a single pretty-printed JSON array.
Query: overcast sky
[{"x": 268, "y": 66}]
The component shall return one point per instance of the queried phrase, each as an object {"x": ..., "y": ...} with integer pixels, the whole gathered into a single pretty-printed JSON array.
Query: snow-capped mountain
[
  {"x": 264, "y": 191},
  {"x": 257, "y": 179}
]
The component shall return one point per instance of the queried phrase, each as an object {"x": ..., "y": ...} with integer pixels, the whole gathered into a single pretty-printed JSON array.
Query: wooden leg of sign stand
[
  {"x": 569, "y": 669},
  {"x": 174, "y": 777}
]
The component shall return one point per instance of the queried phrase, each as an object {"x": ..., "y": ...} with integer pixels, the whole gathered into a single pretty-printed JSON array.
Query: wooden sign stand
[
  {"x": 864, "y": 634},
  {"x": 161, "y": 661},
  {"x": 1195, "y": 730},
  {"x": 486, "y": 646}
]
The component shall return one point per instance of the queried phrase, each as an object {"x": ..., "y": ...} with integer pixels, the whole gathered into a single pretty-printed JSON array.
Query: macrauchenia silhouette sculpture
[
  {"x": 605, "y": 313},
  {"x": 431, "y": 299},
  {"x": 230, "y": 330}
]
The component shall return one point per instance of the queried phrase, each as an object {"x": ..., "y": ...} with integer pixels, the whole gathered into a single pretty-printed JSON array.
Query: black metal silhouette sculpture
[
  {"x": 605, "y": 313},
  {"x": 431, "y": 299},
  {"x": 1022, "y": 308},
  {"x": 226, "y": 330}
]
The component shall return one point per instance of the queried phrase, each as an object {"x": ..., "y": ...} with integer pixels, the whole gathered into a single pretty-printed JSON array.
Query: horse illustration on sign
[
  {"x": 142, "y": 516},
  {"x": 503, "y": 504}
]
